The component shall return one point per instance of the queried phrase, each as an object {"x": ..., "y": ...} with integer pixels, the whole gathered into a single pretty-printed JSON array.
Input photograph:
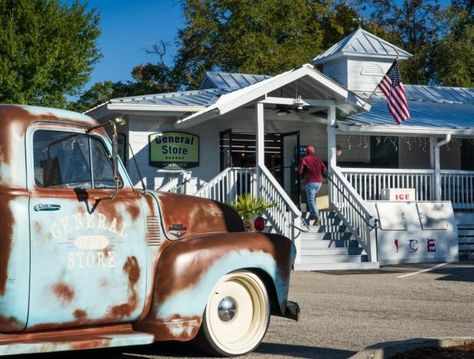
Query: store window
[{"x": 384, "y": 152}]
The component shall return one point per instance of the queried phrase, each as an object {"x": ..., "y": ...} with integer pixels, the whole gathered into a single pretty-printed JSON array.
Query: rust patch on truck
[
  {"x": 178, "y": 328},
  {"x": 6, "y": 218},
  {"x": 64, "y": 292},
  {"x": 132, "y": 269},
  {"x": 197, "y": 215},
  {"x": 80, "y": 314},
  {"x": 10, "y": 324}
]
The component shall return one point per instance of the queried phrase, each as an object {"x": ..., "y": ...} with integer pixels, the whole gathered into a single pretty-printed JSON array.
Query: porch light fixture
[{"x": 299, "y": 104}]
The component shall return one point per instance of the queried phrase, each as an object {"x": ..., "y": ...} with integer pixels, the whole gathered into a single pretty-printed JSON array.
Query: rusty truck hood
[{"x": 185, "y": 216}]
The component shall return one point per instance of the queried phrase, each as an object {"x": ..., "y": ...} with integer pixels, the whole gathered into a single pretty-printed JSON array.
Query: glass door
[
  {"x": 225, "y": 149},
  {"x": 290, "y": 144}
]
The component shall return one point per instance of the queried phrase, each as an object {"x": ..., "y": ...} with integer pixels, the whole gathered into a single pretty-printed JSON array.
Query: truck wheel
[{"x": 236, "y": 316}]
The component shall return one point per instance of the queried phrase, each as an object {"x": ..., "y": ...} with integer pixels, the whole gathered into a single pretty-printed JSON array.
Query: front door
[
  {"x": 225, "y": 149},
  {"x": 88, "y": 250},
  {"x": 290, "y": 143}
]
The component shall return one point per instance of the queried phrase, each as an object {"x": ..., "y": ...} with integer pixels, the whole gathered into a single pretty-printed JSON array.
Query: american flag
[{"x": 392, "y": 87}]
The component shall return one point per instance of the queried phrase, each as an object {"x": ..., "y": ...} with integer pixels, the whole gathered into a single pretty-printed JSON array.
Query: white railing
[
  {"x": 350, "y": 207},
  {"x": 369, "y": 182},
  {"x": 229, "y": 184},
  {"x": 284, "y": 216},
  {"x": 458, "y": 187},
  {"x": 177, "y": 184}
]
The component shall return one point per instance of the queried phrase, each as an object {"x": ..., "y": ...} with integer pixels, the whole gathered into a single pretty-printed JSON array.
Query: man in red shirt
[{"x": 312, "y": 168}]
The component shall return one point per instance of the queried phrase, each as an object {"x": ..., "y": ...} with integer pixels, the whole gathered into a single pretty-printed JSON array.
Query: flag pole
[{"x": 376, "y": 87}]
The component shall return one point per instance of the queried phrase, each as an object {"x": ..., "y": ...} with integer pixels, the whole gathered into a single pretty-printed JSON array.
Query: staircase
[{"x": 330, "y": 246}]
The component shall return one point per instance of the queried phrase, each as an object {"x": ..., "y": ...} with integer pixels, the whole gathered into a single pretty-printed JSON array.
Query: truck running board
[{"x": 74, "y": 339}]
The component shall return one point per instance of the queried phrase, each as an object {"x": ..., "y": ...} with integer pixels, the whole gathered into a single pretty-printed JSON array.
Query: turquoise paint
[
  {"x": 58, "y": 260},
  {"x": 192, "y": 301},
  {"x": 5, "y": 173},
  {"x": 14, "y": 304}
]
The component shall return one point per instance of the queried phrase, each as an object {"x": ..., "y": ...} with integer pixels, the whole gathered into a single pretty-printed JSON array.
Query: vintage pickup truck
[{"x": 88, "y": 261}]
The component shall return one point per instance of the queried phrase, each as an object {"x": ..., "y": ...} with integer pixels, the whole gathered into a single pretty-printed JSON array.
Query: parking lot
[{"x": 343, "y": 312}]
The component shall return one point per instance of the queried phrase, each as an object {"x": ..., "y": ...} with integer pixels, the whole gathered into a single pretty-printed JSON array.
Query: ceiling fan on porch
[{"x": 298, "y": 105}]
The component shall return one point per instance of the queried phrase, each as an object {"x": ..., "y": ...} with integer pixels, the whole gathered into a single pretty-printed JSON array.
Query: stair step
[
  {"x": 322, "y": 244},
  {"x": 340, "y": 258},
  {"x": 326, "y": 236},
  {"x": 323, "y": 251},
  {"x": 336, "y": 266}
]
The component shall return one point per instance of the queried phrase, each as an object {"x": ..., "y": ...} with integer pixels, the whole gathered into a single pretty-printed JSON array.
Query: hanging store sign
[{"x": 174, "y": 150}]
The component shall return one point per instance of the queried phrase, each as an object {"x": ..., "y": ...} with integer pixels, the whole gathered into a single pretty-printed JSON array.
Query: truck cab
[{"x": 89, "y": 261}]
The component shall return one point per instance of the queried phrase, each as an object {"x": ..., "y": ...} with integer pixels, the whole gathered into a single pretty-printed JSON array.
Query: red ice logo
[{"x": 431, "y": 245}]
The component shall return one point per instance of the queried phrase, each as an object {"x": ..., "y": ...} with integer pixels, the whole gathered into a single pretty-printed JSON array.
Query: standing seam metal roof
[
  {"x": 183, "y": 98},
  {"x": 362, "y": 42}
]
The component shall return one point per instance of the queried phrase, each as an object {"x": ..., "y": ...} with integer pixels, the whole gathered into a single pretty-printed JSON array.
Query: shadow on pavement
[
  {"x": 302, "y": 351},
  {"x": 459, "y": 272}
]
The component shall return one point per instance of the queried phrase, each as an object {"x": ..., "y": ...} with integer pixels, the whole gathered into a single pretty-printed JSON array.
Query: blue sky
[{"x": 130, "y": 27}]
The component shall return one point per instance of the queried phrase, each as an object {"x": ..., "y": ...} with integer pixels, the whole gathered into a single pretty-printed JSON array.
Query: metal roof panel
[{"x": 362, "y": 42}]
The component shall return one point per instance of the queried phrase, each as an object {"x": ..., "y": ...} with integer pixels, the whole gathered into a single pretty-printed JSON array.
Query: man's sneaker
[{"x": 317, "y": 222}]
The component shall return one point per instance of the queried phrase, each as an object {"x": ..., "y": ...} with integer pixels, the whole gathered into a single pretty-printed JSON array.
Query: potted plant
[{"x": 248, "y": 207}]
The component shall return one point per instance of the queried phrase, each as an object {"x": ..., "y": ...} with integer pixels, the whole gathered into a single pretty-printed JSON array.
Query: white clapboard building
[{"x": 396, "y": 193}]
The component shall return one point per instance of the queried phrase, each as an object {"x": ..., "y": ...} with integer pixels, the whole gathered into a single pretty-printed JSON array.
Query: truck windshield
[{"x": 71, "y": 160}]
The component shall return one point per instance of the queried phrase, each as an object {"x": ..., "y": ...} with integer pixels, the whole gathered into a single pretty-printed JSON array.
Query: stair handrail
[
  {"x": 223, "y": 186},
  {"x": 358, "y": 217},
  {"x": 284, "y": 215}
]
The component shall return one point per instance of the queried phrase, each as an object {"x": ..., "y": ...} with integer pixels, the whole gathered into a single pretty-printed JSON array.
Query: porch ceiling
[{"x": 305, "y": 81}]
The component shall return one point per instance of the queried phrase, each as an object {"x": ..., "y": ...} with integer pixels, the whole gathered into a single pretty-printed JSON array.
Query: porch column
[
  {"x": 437, "y": 167},
  {"x": 332, "y": 136},
  {"x": 260, "y": 150}
]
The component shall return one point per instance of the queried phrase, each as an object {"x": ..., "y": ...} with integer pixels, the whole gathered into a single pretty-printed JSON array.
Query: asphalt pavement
[{"x": 343, "y": 312}]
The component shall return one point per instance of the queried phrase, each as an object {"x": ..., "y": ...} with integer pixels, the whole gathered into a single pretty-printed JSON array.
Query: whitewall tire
[{"x": 236, "y": 316}]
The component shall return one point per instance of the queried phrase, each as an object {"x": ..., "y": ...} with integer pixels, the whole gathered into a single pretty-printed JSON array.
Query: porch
[{"x": 347, "y": 237}]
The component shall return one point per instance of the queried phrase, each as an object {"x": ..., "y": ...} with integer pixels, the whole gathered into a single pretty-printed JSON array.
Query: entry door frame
[
  {"x": 222, "y": 135},
  {"x": 296, "y": 198}
]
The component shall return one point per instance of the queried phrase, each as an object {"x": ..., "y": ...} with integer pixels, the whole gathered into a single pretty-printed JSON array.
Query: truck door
[{"x": 88, "y": 249}]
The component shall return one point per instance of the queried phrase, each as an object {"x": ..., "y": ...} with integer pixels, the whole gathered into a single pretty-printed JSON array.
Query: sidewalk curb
[{"x": 385, "y": 350}]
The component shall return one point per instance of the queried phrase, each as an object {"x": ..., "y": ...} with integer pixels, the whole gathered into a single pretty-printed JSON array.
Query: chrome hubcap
[{"x": 227, "y": 309}]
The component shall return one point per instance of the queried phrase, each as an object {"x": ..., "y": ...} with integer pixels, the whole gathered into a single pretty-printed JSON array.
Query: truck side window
[{"x": 63, "y": 160}]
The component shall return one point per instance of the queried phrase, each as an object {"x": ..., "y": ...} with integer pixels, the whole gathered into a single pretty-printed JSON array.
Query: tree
[
  {"x": 452, "y": 60},
  {"x": 47, "y": 50},
  {"x": 266, "y": 37},
  {"x": 412, "y": 25}
]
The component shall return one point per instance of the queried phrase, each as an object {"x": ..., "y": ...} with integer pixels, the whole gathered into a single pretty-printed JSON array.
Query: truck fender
[{"x": 189, "y": 269}]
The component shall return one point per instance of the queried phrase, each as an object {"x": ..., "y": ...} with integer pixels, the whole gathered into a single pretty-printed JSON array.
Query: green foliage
[
  {"x": 47, "y": 50},
  {"x": 452, "y": 58},
  {"x": 248, "y": 206},
  {"x": 265, "y": 37},
  {"x": 441, "y": 40}
]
